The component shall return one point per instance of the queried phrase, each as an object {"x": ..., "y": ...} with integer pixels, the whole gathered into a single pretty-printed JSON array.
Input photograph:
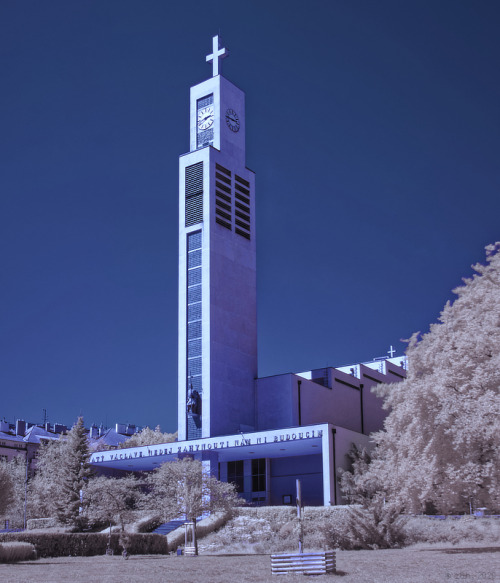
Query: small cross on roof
[
  {"x": 217, "y": 53},
  {"x": 391, "y": 351}
]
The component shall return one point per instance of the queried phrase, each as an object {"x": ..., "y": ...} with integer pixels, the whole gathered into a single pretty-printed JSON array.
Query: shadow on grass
[{"x": 471, "y": 550}]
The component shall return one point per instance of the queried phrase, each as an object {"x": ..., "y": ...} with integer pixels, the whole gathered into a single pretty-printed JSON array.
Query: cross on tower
[
  {"x": 391, "y": 351},
  {"x": 217, "y": 53}
]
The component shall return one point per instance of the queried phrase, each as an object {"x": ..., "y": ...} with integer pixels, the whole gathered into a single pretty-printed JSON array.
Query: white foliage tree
[
  {"x": 149, "y": 437},
  {"x": 44, "y": 486},
  {"x": 7, "y": 492},
  {"x": 441, "y": 442},
  {"x": 112, "y": 500},
  {"x": 184, "y": 487}
]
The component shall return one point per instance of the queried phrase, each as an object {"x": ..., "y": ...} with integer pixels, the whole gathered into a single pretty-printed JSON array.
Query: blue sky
[{"x": 373, "y": 129}]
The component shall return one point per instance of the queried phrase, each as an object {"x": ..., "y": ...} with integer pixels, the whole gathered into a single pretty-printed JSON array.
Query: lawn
[{"x": 423, "y": 564}]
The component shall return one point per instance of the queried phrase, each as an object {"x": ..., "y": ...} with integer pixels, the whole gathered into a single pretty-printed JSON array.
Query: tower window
[
  {"x": 194, "y": 366},
  {"x": 194, "y": 241},
  {"x": 194, "y": 194},
  {"x": 194, "y": 294},
  {"x": 194, "y": 276},
  {"x": 194, "y": 312},
  {"x": 194, "y": 330},
  {"x": 204, "y": 101},
  {"x": 194, "y": 258},
  {"x": 194, "y": 347}
]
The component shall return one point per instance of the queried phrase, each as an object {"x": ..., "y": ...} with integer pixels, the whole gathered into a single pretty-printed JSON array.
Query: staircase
[{"x": 168, "y": 527}]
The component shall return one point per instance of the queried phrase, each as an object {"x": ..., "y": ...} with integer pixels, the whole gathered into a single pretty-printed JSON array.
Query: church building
[{"x": 260, "y": 433}]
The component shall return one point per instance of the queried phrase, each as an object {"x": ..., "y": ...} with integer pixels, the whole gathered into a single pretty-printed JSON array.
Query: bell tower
[{"x": 217, "y": 264}]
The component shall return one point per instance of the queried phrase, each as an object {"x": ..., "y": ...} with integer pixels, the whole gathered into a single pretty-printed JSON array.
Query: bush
[
  {"x": 89, "y": 544},
  {"x": 375, "y": 526},
  {"x": 36, "y": 523},
  {"x": 17, "y": 551},
  {"x": 422, "y": 529}
]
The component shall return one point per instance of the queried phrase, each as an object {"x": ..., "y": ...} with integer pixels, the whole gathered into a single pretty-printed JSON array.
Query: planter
[{"x": 305, "y": 563}]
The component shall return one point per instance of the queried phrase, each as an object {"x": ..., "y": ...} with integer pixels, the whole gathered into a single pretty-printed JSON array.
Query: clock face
[
  {"x": 232, "y": 120},
  {"x": 205, "y": 117}
]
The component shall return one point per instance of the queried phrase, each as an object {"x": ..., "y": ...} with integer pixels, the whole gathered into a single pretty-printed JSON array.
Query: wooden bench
[{"x": 306, "y": 563}]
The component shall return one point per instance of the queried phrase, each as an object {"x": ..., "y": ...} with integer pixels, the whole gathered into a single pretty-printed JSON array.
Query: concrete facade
[
  {"x": 223, "y": 369},
  {"x": 261, "y": 434},
  {"x": 311, "y": 453}
]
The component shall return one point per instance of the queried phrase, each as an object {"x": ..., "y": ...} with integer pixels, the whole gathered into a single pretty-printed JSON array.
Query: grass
[
  {"x": 439, "y": 551},
  {"x": 429, "y": 564}
]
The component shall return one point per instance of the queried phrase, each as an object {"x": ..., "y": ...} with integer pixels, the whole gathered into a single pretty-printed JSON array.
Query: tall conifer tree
[{"x": 74, "y": 473}]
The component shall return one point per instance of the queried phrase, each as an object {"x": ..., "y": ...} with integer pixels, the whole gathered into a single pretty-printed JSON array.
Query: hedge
[
  {"x": 17, "y": 551},
  {"x": 88, "y": 544}
]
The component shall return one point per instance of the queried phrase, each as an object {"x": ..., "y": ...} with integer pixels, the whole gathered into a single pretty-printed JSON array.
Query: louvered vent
[
  {"x": 232, "y": 201},
  {"x": 223, "y": 200},
  {"x": 242, "y": 207},
  {"x": 194, "y": 194}
]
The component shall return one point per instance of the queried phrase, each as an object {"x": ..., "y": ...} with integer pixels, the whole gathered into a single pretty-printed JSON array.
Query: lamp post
[{"x": 299, "y": 515}]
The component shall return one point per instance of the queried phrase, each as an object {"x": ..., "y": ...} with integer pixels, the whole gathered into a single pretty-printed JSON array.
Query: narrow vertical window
[
  {"x": 194, "y": 194},
  {"x": 194, "y": 389}
]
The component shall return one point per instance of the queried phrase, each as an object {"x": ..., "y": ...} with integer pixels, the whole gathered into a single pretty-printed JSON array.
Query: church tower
[{"x": 217, "y": 264}]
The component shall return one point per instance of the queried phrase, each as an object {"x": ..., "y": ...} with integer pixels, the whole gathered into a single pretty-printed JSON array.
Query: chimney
[
  {"x": 121, "y": 428},
  {"x": 20, "y": 427}
]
